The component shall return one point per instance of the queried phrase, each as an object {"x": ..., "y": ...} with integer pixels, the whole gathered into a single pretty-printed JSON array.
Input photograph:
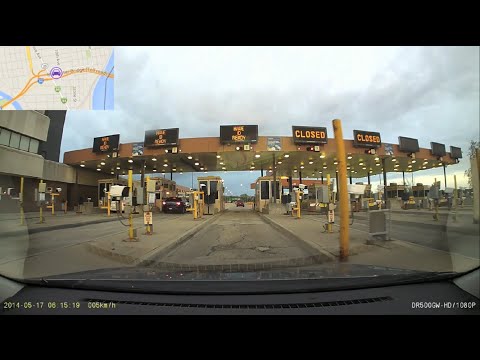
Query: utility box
[
  {"x": 377, "y": 225},
  {"x": 322, "y": 194}
]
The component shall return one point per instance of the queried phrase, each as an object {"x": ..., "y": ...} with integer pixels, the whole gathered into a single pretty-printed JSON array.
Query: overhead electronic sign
[
  {"x": 455, "y": 152},
  {"x": 309, "y": 135},
  {"x": 438, "y": 149},
  {"x": 363, "y": 138},
  {"x": 161, "y": 137},
  {"x": 106, "y": 144},
  {"x": 238, "y": 134},
  {"x": 408, "y": 144}
]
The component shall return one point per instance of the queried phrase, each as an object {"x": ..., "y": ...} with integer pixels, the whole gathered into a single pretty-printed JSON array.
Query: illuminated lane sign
[
  {"x": 238, "y": 134},
  {"x": 366, "y": 138},
  {"x": 408, "y": 144},
  {"x": 106, "y": 144},
  {"x": 309, "y": 135},
  {"x": 438, "y": 149},
  {"x": 161, "y": 137}
]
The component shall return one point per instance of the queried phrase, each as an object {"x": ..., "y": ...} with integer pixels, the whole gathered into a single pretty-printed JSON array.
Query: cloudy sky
[{"x": 429, "y": 93}]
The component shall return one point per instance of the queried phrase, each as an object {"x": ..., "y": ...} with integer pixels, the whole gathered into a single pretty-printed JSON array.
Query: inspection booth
[
  {"x": 212, "y": 187},
  {"x": 104, "y": 188},
  {"x": 164, "y": 188},
  {"x": 264, "y": 192},
  {"x": 315, "y": 198},
  {"x": 420, "y": 194}
]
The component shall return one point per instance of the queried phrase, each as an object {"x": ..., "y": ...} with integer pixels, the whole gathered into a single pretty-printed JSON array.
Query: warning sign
[
  {"x": 331, "y": 216},
  {"x": 147, "y": 218}
]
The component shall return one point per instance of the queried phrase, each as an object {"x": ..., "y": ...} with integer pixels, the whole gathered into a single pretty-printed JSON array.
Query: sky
[{"x": 429, "y": 93}]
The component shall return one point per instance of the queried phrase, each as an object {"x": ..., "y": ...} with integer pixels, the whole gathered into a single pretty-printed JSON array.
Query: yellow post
[
  {"x": 299, "y": 203},
  {"x": 329, "y": 225},
  {"x": 435, "y": 202},
  {"x": 455, "y": 196},
  {"x": 42, "y": 220},
  {"x": 108, "y": 203},
  {"x": 342, "y": 188},
  {"x": 130, "y": 216},
  {"x": 22, "y": 215},
  {"x": 53, "y": 204}
]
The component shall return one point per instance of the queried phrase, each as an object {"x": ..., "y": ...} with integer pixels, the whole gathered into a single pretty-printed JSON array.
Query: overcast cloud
[{"x": 429, "y": 93}]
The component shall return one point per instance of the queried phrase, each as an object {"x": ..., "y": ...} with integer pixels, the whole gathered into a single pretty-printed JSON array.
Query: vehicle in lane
[
  {"x": 240, "y": 203},
  {"x": 174, "y": 204}
]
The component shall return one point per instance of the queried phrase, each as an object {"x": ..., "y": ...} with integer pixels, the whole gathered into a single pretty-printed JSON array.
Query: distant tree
[
  {"x": 244, "y": 197},
  {"x": 472, "y": 150}
]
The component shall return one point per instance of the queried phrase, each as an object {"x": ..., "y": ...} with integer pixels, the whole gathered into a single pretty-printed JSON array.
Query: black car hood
[{"x": 322, "y": 277}]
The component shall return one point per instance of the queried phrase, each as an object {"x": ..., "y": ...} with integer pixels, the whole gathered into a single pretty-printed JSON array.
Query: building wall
[
  {"x": 50, "y": 149},
  {"x": 20, "y": 163},
  {"x": 54, "y": 171},
  {"x": 28, "y": 122}
]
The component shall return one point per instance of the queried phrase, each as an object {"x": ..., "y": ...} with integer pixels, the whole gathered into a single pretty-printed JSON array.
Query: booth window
[
  {"x": 265, "y": 190},
  {"x": 213, "y": 188}
]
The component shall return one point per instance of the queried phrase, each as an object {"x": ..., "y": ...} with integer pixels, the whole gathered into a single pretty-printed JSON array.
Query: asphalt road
[{"x": 237, "y": 236}]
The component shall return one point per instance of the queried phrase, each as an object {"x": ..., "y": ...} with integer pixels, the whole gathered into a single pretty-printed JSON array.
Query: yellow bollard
[
  {"x": 42, "y": 220},
  {"x": 22, "y": 214},
  {"x": 108, "y": 203},
  {"x": 342, "y": 189},
  {"x": 329, "y": 224},
  {"x": 130, "y": 216},
  {"x": 455, "y": 196}
]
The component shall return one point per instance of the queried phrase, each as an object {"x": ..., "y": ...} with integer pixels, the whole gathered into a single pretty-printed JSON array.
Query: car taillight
[
  {"x": 164, "y": 203},
  {"x": 178, "y": 203}
]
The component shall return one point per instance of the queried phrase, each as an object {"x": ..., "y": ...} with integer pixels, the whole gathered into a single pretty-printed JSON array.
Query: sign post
[
  {"x": 342, "y": 189},
  {"x": 147, "y": 220}
]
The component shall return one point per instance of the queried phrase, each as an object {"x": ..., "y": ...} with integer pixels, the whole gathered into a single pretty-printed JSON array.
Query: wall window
[
  {"x": 24, "y": 143},
  {"x": 15, "y": 140},
  {"x": 5, "y": 137},
  {"x": 18, "y": 141},
  {"x": 34, "y": 146}
]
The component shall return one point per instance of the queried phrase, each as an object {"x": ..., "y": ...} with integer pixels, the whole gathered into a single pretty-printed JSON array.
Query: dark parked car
[
  {"x": 240, "y": 203},
  {"x": 172, "y": 204}
]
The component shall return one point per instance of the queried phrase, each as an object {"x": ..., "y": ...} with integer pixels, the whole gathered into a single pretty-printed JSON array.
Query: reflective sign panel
[
  {"x": 106, "y": 144},
  {"x": 238, "y": 134},
  {"x": 161, "y": 137},
  {"x": 409, "y": 145},
  {"x": 363, "y": 138},
  {"x": 309, "y": 135}
]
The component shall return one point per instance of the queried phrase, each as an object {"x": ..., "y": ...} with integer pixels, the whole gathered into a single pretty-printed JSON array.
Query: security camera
[
  {"x": 59, "y": 189},
  {"x": 118, "y": 191}
]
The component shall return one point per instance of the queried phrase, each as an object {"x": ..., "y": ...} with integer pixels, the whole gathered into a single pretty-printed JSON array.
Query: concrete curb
[
  {"x": 147, "y": 259},
  {"x": 324, "y": 255},
  {"x": 54, "y": 227},
  {"x": 435, "y": 226}
]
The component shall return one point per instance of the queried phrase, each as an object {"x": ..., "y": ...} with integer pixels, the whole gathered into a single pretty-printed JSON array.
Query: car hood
[{"x": 323, "y": 277}]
